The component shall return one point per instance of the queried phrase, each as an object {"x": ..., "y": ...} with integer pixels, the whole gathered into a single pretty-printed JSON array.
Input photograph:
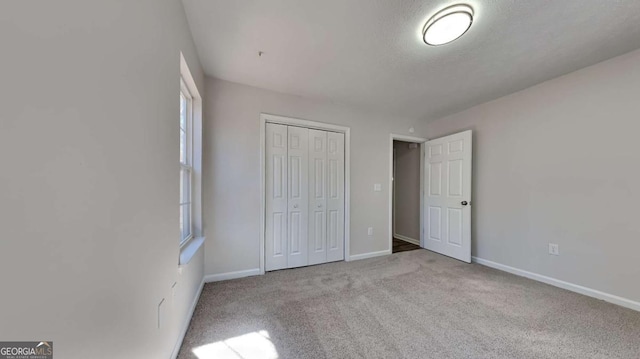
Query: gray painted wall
[
  {"x": 560, "y": 163},
  {"x": 407, "y": 190},
  {"x": 89, "y": 185},
  {"x": 232, "y": 170}
]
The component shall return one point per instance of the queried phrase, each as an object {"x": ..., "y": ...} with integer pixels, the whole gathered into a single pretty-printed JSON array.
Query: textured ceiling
[{"x": 369, "y": 53}]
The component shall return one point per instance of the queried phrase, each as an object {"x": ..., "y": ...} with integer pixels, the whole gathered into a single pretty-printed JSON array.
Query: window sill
[{"x": 189, "y": 250}]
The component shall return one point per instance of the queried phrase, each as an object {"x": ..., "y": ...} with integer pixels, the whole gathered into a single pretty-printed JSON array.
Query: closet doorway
[{"x": 305, "y": 193}]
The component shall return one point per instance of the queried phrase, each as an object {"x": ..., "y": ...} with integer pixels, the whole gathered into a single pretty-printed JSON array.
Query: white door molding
[
  {"x": 268, "y": 118},
  {"x": 421, "y": 141}
]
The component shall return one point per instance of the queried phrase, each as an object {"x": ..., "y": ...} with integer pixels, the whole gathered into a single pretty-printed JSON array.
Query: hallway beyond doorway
[{"x": 402, "y": 246}]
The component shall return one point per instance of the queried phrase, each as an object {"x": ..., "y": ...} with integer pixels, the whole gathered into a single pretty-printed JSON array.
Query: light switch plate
[{"x": 377, "y": 187}]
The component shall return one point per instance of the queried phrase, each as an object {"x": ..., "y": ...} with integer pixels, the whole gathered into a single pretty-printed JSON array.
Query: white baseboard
[
  {"x": 407, "y": 239},
  {"x": 369, "y": 255},
  {"x": 187, "y": 320},
  {"x": 231, "y": 275},
  {"x": 624, "y": 302}
]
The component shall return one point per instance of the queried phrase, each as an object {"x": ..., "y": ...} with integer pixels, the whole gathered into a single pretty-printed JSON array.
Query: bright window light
[
  {"x": 256, "y": 345},
  {"x": 186, "y": 162},
  {"x": 448, "y": 25}
]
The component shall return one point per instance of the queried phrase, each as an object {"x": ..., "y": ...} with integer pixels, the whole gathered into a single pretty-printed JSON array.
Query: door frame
[
  {"x": 289, "y": 121},
  {"x": 421, "y": 141}
]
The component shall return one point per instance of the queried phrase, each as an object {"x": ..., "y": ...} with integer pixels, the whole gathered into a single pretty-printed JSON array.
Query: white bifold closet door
[
  {"x": 305, "y": 197},
  {"x": 335, "y": 196},
  {"x": 298, "y": 180},
  {"x": 317, "y": 196},
  {"x": 276, "y": 188}
]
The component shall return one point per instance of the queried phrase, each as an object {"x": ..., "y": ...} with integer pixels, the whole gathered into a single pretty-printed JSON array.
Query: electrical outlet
[
  {"x": 554, "y": 249},
  {"x": 370, "y": 231}
]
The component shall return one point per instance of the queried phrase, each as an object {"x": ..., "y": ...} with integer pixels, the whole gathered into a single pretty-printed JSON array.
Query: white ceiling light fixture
[{"x": 448, "y": 24}]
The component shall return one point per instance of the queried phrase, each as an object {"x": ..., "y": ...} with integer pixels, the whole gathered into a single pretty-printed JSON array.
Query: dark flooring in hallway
[{"x": 401, "y": 246}]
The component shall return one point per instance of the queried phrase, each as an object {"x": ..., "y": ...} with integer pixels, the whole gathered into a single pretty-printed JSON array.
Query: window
[
  {"x": 186, "y": 163},
  {"x": 190, "y": 130}
]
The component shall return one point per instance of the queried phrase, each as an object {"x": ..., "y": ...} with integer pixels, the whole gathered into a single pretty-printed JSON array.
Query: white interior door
[
  {"x": 276, "y": 197},
  {"x": 335, "y": 196},
  {"x": 298, "y": 201},
  {"x": 317, "y": 196},
  {"x": 448, "y": 196},
  {"x": 304, "y": 219}
]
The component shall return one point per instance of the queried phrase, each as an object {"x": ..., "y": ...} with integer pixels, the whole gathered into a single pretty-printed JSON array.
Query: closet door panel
[
  {"x": 276, "y": 197},
  {"x": 335, "y": 196},
  {"x": 298, "y": 192},
  {"x": 317, "y": 196}
]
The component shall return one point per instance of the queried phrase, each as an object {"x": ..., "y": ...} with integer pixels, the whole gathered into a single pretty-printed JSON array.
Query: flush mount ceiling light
[{"x": 448, "y": 24}]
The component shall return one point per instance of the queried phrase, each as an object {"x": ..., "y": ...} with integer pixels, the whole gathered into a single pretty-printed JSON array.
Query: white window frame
[
  {"x": 187, "y": 165},
  {"x": 190, "y": 246}
]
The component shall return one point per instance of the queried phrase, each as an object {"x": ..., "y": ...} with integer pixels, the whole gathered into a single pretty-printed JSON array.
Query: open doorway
[{"x": 406, "y": 193}]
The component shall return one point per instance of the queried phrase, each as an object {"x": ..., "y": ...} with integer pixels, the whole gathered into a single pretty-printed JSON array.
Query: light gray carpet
[{"x": 407, "y": 305}]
